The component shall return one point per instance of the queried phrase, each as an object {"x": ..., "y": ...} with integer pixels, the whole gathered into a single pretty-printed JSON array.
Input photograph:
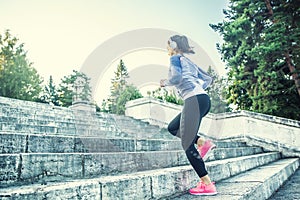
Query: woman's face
[{"x": 171, "y": 51}]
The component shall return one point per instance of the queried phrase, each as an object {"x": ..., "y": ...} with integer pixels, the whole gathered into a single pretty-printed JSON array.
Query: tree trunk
[
  {"x": 293, "y": 71},
  {"x": 288, "y": 60},
  {"x": 269, "y": 7}
]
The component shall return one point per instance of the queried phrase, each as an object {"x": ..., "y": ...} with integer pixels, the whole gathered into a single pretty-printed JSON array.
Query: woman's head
[{"x": 179, "y": 44}]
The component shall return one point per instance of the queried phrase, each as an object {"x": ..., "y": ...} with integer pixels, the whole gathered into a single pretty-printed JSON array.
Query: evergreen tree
[
  {"x": 261, "y": 49},
  {"x": 50, "y": 93},
  {"x": 18, "y": 79},
  {"x": 129, "y": 93},
  {"x": 121, "y": 92},
  {"x": 118, "y": 84},
  {"x": 217, "y": 93},
  {"x": 104, "y": 106}
]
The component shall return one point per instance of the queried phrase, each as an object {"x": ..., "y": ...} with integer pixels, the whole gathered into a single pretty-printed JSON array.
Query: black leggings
[{"x": 186, "y": 125}]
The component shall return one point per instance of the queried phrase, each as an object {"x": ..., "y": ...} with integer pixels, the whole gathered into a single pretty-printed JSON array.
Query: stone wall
[
  {"x": 224, "y": 125},
  {"x": 152, "y": 110}
]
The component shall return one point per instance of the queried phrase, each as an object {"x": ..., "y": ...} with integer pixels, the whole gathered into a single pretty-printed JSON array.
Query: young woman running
[{"x": 191, "y": 82}]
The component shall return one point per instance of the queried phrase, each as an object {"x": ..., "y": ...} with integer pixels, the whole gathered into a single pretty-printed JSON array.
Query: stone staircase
[{"x": 50, "y": 152}]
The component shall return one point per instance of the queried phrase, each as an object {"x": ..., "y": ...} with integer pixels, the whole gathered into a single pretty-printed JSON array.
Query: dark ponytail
[{"x": 182, "y": 44}]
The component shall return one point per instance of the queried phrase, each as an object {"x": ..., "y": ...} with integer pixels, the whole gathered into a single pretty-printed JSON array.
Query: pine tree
[
  {"x": 217, "y": 93},
  {"x": 118, "y": 84},
  {"x": 18, "y": 79},
  {"x": 50, "y": 93},
  {"x": 121, "y": 91},
  {"x": 261, "y": 49},
  {"x": 104, "y": 106}
]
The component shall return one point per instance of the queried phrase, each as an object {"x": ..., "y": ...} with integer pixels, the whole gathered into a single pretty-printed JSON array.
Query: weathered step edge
[
  {"x": 51, "y": 166},
  {"x": 152, "y": 184},
  {"x": 267, "y": 144},
  {"x": 256, "y": 184},
  {"x": 38, "y": 143}
]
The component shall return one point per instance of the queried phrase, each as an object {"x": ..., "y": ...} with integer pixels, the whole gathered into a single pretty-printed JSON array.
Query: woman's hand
[{"x": 162, "y": 83}]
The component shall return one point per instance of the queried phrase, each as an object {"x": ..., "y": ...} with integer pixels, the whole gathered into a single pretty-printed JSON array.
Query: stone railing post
[{"x": 80, "y": 101}]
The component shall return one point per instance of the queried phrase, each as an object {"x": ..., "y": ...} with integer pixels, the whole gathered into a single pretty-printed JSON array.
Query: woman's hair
[{"x": 182, "y": 44}]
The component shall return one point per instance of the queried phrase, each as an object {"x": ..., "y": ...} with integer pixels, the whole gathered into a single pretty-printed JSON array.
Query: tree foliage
[
  {"x": 50, "y": 94},
  {"x": 18, "y": 79},
  {"x": 168, "y": 95},
  {"x": 121, "y": 91},
  {"x": 261, "y": 49},
  {"x": 217, "y": 93},
  {"x": 129, "y": 93},
  {"x": 118, "y": 84}
]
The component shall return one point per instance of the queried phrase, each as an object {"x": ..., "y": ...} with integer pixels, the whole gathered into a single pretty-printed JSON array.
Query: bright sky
[{"x": 60, "y": 34}]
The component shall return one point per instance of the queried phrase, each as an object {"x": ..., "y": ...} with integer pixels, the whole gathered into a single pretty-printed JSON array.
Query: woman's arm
[
  {"x": 205, "y": 77},
  {"x": 175, "y": 71}
]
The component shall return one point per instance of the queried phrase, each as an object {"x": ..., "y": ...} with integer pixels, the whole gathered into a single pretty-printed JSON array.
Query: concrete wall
[
  {"x": 152, "y": 110},
  {"x": 224, "y": 125}
]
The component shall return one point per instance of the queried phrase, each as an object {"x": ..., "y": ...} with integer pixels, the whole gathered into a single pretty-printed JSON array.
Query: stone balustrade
[{"x": 276, "y": 130}]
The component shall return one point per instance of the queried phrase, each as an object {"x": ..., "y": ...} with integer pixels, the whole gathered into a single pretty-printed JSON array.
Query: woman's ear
[{"x": 172, "y": 44}]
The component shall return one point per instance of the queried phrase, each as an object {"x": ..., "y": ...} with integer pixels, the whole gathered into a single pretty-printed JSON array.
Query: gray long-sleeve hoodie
[{"x": 187, "y": 77}]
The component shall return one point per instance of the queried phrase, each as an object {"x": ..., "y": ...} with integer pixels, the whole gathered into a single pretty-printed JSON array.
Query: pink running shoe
[
  {"x": 203, "y": 189},
  {"x": 205, "y": 149}
]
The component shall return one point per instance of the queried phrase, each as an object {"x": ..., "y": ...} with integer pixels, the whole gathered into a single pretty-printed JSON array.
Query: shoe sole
[
  {"x": 208, "y": 152},
  {"x": 204, "y": 194}
]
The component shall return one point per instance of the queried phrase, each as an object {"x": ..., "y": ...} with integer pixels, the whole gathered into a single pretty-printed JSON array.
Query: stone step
[
  {"x": 36, "y": 121},
  {"x": 257, "y": 184},
  {"x": 52, "y": 128},
  {"x": 40, "y": 129},
  {"x": 56, "y": 114},
  {"x": 92, "y": 127},
  {"x": 58, "y": 123},
  {"x": 223, "y": 153},
  {"x": 33, "y": 143},
  {"x": 125, "y": 121},
  {"x": 61, "y": 116},
  {"x": 27, "y": 104},
  {"x": 38, "y": 143},
  {"x": 53, "y": 118},
  {"x": 290, "y": 189},
  {"x": 33, "y": 167},
  {"x": 86, "y": 165},
  {"x": 150, "y": 184},
  {"x": 24, "y": 112}
]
